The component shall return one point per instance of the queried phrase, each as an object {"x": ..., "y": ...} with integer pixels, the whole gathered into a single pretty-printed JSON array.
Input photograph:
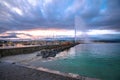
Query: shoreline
[
  {"x": 10, "y": 67},
  {"x": 14, "y": 71}
]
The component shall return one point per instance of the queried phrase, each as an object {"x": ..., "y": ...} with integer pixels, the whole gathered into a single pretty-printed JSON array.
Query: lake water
[{"x": 101, "y": 60}]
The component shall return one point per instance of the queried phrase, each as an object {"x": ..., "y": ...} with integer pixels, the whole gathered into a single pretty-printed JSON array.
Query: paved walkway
[{"x": 14, "y": 72}]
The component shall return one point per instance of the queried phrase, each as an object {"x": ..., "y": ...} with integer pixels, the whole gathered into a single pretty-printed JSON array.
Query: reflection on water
[
  {"x": 93, "y": 60},
  {"x": 67, "y": 54}
]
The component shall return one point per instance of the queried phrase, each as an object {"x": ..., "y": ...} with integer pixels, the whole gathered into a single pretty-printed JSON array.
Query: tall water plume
[{"x": 81, "y": 30}]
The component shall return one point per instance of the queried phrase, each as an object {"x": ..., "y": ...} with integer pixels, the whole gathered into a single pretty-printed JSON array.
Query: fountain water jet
[{"x": 81, "y": 26}]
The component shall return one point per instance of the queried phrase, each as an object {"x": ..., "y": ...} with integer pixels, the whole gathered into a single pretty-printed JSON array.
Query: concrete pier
[{"x": 10, "y": 71}]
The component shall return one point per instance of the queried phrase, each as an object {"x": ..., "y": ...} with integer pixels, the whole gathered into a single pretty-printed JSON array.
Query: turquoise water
[{"x": 93, "y": 60}]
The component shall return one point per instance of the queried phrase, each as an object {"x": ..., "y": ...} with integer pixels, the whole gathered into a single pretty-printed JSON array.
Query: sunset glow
[
  {"x": 40, "y": 33},
  {"x": 101, "y": 32},
  {"x": 54, "y": 33}
]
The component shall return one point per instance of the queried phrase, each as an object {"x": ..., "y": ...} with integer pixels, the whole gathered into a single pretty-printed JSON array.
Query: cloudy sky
[{"x": 25, "y": 17}]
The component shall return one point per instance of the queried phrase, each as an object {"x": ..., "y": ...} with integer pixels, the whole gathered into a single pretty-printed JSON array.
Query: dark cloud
[
  {"x": 108, "y": 16},
  {"x": 14, "y": 35},
  {"x": 30, "y": 14},
  {"x": 9, "y": 35}
]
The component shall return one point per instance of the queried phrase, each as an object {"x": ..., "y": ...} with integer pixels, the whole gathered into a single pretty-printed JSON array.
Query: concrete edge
[{"x": 71, "y": 75}]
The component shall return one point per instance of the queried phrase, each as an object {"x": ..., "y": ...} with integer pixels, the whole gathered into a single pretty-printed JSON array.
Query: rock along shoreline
[{"x": 46, "y": 50}]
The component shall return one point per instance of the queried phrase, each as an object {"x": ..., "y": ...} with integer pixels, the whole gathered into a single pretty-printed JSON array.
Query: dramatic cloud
[{"x": 59, "y": 14}]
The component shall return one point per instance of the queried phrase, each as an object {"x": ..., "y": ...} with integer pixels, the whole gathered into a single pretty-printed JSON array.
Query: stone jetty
[{"x": 45, "y": 50}]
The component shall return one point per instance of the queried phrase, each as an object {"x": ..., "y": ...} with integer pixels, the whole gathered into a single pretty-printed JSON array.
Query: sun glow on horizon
[
  {"x": 54, "y": 33},
  {"x": 38, "y": 33},
  {"x": 101, "y": 32}
]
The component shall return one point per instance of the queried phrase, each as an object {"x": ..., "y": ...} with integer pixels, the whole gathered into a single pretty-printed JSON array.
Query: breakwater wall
[{"x": 25, "y": 50}]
